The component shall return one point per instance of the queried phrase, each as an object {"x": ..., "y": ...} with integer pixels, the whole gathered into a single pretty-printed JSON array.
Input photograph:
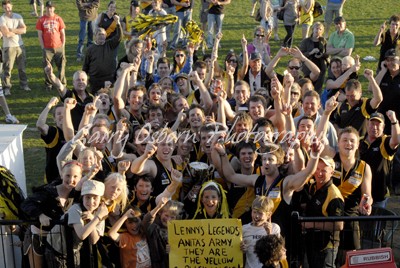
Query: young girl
[
  {"x": 48, "y": 203},
  {"x": 86, "y": 217},
  {"x": 157, "y": 232},
  {"x": 211, "y": 203},
  {"x": 134, "y": 251},
  {"x": 261, "y": 225}
]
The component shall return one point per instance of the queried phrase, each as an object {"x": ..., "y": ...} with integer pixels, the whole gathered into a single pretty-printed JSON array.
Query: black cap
[
  {"x": 135, "y": 3},
  {"x": 339, "y": 20},
  {"x": 390, "y": 53},
  {"x": 255, "y": 56},
  {"x": 377, "y": 116},
  {"x": 49, "y": 4}
]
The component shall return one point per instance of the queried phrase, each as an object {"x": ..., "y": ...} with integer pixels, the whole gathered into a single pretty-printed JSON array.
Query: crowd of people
[{"x": 143, "y": 140}]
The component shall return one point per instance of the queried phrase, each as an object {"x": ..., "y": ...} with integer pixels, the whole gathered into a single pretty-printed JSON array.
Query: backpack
[{"x": 318, "y": 10}]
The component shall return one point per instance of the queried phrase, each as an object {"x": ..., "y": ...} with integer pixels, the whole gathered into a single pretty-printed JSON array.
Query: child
[
  {"x": 211, "y": 203},
  {"x": 271, "y": 251},
  {"x": 261, "y": 225},
  {"x": 134, "y": 251},
  {"x": 157, "y": 232},
  {"x": 86, "y": 217}
]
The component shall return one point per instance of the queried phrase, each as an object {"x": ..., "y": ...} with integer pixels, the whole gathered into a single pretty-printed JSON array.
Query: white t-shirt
[
  {"x": 14, "y": 22},
  {"x": 251, "y": 234},
  {"x": 75, "y": 216}
]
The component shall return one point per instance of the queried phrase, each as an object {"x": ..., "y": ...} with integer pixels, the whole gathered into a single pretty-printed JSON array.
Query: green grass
[{"x": 363, "y": 18}]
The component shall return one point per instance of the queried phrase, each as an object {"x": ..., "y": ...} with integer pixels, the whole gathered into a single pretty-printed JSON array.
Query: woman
[
  {"x": 260, "y": 43},
  {"x": 314, "y": 48},
  {"x": 306, "y": 16},
  {"x": 179, "y": 61},
  {"x": 128, "y": 20},
  {"x": 290, "y": 19},
  {"x": 266, "y": 12}
]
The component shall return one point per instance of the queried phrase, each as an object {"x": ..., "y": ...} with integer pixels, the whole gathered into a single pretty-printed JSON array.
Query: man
[
  {"x": 183, "y": 10},
  {"x": 255, "y": 75},
  {"x": 341, "y": 42},
  {"x": 79, "y": 93},
  {"x": 51, "y": 35},
  {"x": 214, "y": 19},
  {"x": 388, "y": 39},
  {"x": 87, "y": 15},
  {"x": 12, "y": 26},
  {"x": 355, "y": 110},
  {"x": 377, "y": 149},
  {"x": 325, "y": 200},
  {"x": 99, "y": 61}
]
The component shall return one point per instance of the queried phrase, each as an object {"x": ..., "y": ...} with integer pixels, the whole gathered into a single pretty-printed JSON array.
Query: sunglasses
[
  {"x": 180, "y": 55},
  {"x": 232, "y": 61},
  {"x": 260, "y": 35},
  {"x": 295, "y": 93},
  {"x": 294, "y": 67}
]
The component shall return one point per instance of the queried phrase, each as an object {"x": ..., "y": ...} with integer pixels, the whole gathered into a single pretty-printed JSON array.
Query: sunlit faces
[
  {"x": 241, "y": 94},
  {"x": 136, "y": 100},
  {"x": 180, "y": 104},
  {"x": 156, "y": 115},
  {"x": 105, "y": 101},
  {"x": 242, "y": 126},
  {"x": 87, "y": 159},
  {"x": 196, "y": 118},
  {"x": 375, "y": 128},
  {"x": 294, "y": 95},
  {"x": 80, "y": 81},
  {"x": 293, "y": 68},
  {"x": 50, "y": 11},
  {"x": 259, "y": 217},
  {"x": 269, "y": 163},
  {"x": 101, "y": 36},
  {"x": 141, "y": 138},
  {"x": 289, "y": 155},
  {"x": 323, "y": 173},
  {"x": 306, "y": 87},
  {"x": 257, "y": 110},
  {"x": 166, "y": 216},
  {"x": 182, "y": 84},
  {"x": 99, "y": 137},
  {"x": 205, "y": 141},
  {"x": 311, "y": 105},
  {"x": 255, "y": 65},
  {"x": 133, "y": 225},
  {"x": 7, "y": 9},
  {"x": 91, "y": 202},
  {"x": 348, "y": 144},
  {"x": 336, "y": 68},
  {"x": 305, "y": 130},
  {"x": 113, "y": 191},
  {"x": 71, "y": 175},
  {"x": 156, "y": 4},
  {"x": 143, "y": 190},
  {"x": 353, "y": 96},
  {"x": 233, "y": 61},
  {"x": 268, "y": 135},
  {"x": 165, "y": 149},
  {"x": 210, "y": 200},
  {"x": 155, "y": 95},
  {"x": 394, "y": 26},
  {"x": 392, "y": 63},
  {"x": 166, "y": 84},
  {"x": 180, "y": 57},
  {"x": 163, "y": 70},
  {"x": 340, "y": 26},
  {"x": 247, "y": 157},
  {"x": 137, "y": 49},
  {"x": 185, "y": 145},
  {"x": 111, "y": 8},
  {"x": 202, "y": 73},
  {"x": 318, "y": 31}
]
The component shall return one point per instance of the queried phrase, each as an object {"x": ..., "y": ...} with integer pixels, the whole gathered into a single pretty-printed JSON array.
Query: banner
[{"x": 205, "y": 243}]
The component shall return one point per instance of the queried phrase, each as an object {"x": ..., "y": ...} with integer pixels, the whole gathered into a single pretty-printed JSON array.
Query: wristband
[
  {"x": 395, "y": 123},
  {"x": 97, "y": 216},
  {"x": 314, "y": 157},
  {"x": 222, "y": 154}
]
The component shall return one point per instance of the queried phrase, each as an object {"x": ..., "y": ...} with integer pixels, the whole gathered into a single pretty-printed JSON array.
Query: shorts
[{"x": 35, "y": 241}]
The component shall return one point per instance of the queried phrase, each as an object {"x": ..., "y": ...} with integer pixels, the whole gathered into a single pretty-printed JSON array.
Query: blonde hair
[
  {"x": 116, "y": 178},
  {"x": 173, "y": 207},
  {"x": 263, "y": 203}
]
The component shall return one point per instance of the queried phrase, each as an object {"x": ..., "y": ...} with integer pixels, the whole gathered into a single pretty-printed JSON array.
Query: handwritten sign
[{"x": 205, "y": 243}]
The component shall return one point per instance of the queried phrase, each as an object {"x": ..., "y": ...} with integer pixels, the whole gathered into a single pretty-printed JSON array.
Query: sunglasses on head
[
  {"x": 180, "y": 55},
  {"x": 294, "y": 67}
]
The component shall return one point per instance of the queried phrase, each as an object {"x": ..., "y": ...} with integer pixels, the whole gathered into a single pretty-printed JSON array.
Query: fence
[{"x": 375, "y": 231}]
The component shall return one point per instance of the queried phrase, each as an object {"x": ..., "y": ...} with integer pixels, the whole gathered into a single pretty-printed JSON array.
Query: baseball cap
[
  {"x": 255, "y": 56},
  {"x": 181, "y": 75},
  {"x": 377, "y": 116},
  {"x": 339, "y": 20},
  {"x": 49, "y": 4},
  {"x": 390, "y": 53},
  {"x": 93, "y": 187},
  {"x": 134, "y": 3},
  {"x": 328, "y": 161}
]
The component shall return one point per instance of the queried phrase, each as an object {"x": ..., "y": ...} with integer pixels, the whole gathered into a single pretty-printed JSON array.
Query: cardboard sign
[{"x": 205, "y": 243}]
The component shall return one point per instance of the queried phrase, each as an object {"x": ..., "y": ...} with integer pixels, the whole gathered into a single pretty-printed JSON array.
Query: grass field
[{"x": 363, "y": 17}]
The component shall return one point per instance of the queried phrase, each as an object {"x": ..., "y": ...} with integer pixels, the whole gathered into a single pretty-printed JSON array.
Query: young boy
[{"x": 260, "y": 226}]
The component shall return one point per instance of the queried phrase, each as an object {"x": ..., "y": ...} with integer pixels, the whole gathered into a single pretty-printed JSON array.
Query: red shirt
[{"x": 51, "y": 28}]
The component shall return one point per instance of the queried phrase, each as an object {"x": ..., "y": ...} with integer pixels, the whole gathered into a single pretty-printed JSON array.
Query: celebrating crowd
[{"x": 146, "y": 139}]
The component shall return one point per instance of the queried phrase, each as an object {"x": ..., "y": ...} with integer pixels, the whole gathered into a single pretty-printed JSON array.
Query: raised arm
[
  {"x": 377, "y": 96},
  {"x": 204, "y": 94},
  {"x": 269, "y": 69},
  {"x": 143, "y": 165},
  {"x": 68, "y": 127},
  {"x": 83, "y": 231},
  {"x": 245, "y": 64},
  {"x": 113, "y": 232},
  {"x": 330, "y": 84},
  {"x": 381, "y": 32},
  {"x": 170, "y": 190},
  {"x": 62, "y": 90},
  {"x": 330, "y": 105},
  {"x": 41, "y": 122},
  {"x": 295, "y": 51},
  {"x": 395, "y": 129}
]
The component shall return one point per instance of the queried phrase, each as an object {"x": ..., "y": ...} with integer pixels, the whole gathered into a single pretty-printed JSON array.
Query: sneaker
[
  {"x": 33, "y": 13},
  {"x": 26, "y": 88},
  {"x": 10, "y": 119},
  {"x": 7, "y": 92}
]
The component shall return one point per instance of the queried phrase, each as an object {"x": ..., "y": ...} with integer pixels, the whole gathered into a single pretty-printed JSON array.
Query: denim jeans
[
  {"x": 213, "y": 21},
  {"x": 89, "y": 25},
  {"x": 183, "y": 18}
]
